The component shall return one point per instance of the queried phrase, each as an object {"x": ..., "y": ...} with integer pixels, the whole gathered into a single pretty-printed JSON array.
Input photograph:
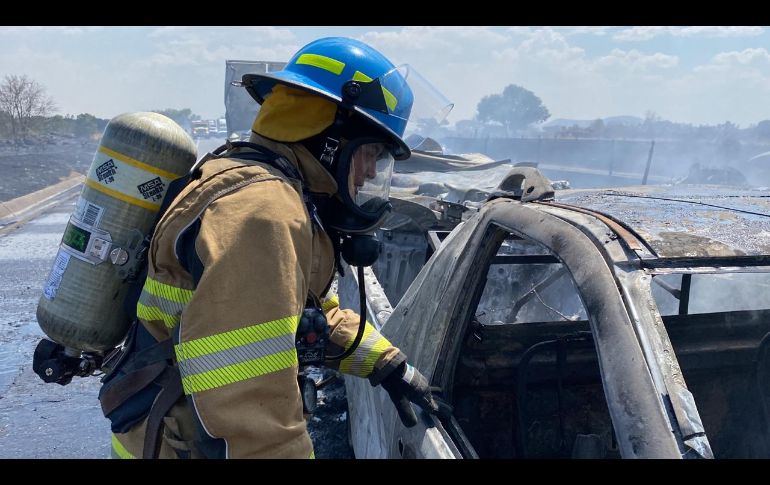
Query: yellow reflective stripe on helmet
[
  {"x": 239, "y": 372},
  {"x": 361, "y": 361},
  {"x": 119, "y": 450},
  {"x": 179, "y": 295},
  {"x": 390, "y": 101},
  {"x": 323, "y": 62},
  {"x": 330, "y": 303},
  {"x": 149, "y": 313},
  {"x": 237, "y": 355},
  {"x": 360, "y": 76}
]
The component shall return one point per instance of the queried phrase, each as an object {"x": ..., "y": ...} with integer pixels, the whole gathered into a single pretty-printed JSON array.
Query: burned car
[{"x": 581, "y": 323}]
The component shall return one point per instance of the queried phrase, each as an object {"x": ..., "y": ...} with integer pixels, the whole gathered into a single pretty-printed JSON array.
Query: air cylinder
[{"x": 82, "y": 302}]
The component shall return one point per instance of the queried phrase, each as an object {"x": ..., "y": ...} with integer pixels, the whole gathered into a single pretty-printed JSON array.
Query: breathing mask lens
[{"x": 371, "y": 167}]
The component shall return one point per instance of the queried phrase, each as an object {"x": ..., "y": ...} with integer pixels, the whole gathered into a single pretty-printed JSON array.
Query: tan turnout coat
[{"x": 234, "y": 334}]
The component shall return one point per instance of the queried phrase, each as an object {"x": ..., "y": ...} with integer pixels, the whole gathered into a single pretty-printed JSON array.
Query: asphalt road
[{"x": 39, "y": 420}]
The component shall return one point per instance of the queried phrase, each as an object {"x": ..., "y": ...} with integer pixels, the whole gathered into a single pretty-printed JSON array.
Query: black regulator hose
[{"x": 361, "y": 322}]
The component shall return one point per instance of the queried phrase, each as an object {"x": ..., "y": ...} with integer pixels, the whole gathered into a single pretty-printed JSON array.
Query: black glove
[{"x": 406, "y": 384}]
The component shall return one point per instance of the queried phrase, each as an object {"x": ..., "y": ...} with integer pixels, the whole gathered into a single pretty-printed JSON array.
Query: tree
[
  {"x": 516, "y": 108},
  {"x": 5, "y": 124},
  {"x": 87, "y": 125},
  {"x": 183, "y": 117},
  {"x": 762, "y": 130},
  {"x": 23, "y": 98},
  {"x": 596, "y": 128}
]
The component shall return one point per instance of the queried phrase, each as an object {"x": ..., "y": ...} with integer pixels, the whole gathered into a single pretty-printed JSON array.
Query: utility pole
[
  {"x": 539, "y": 148},
  {"x": 612, "y": 157},
  {"x": 649, "y": 162}
]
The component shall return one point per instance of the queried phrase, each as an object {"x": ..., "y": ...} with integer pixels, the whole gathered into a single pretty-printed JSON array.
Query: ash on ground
[{"x": 328, "y": 427}]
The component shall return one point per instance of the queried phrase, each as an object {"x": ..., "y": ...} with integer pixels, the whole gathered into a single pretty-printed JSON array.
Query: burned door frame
[{"x": 640, "y": 417}]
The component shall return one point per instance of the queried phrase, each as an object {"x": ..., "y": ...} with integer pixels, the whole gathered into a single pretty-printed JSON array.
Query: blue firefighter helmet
[{"x": 324, "y": 67}]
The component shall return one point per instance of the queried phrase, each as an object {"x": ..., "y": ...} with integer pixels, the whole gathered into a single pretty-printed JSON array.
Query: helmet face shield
[{"x": 428, "y": 107}]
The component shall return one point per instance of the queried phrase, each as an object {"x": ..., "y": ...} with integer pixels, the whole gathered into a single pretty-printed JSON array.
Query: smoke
[{"x": 711, "y": 293}]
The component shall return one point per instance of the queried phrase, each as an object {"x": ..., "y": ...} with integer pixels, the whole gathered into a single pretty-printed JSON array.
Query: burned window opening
[
  {"x": 527, "y": 381},
  {"x": 719, "y": 328}
]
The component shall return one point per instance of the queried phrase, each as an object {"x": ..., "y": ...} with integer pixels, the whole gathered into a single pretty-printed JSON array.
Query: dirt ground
[{"x": 30, "y": 168}]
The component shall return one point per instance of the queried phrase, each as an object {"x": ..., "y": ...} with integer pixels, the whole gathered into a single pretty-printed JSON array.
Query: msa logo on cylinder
[
  {"x": 152, "y": 189},
  {"x": 106, "y": 171}
]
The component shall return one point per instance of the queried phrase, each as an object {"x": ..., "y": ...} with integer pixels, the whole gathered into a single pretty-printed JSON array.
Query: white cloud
[
  {"x": 712, "y": 31},
  {"x": 634, "y": 60},
  {"x": 634, "y": 34},
  {"x": 519, "y": 30},
  {"x": 737, "y": 63},
  {"x": 201, "y": 46},
  {"x": 254, "y": 34},
  {"x": 640, "y": 33},
  {"x": 441, "y": 41},
  {"x": 598, "y": 31},
  {"x": 755, "y": 57},
  {"x": 549, "y": 45},
  {"x": 35, "y": 30}
]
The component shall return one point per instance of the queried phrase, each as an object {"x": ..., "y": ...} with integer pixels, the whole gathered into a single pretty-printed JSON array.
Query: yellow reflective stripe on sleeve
[
  {"x": 119, "y": 450},
  {"x": 346, "y": 365},
  {"x": 235, "y": 338},
  {"x": 237, "y": 355},
  {"x": 390, "y": 100},
  {"x": 163, "y": 302},
  {"x": 312, "y": 455},
  {"x": 330, "y": 303},
  {"x": 239, "y": 372},
  {"x": 149, "y": 313},
  {"x": 361, "y": 361},
  {"x": 322, "y": 62},
  {"x": 179, "y": 295}
]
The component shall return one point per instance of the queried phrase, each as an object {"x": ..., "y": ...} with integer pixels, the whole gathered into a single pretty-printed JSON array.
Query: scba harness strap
[{"x": 144, "y": 382}]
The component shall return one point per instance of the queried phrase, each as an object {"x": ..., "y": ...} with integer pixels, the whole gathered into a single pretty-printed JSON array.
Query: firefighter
[{"x": 245, "y": 246}]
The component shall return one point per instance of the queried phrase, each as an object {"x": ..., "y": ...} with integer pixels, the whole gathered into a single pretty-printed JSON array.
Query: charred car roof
[{"x": 685, "y": 221}]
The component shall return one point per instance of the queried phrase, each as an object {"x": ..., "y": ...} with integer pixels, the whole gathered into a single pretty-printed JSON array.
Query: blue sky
[{"x": 701, "y": 75}]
